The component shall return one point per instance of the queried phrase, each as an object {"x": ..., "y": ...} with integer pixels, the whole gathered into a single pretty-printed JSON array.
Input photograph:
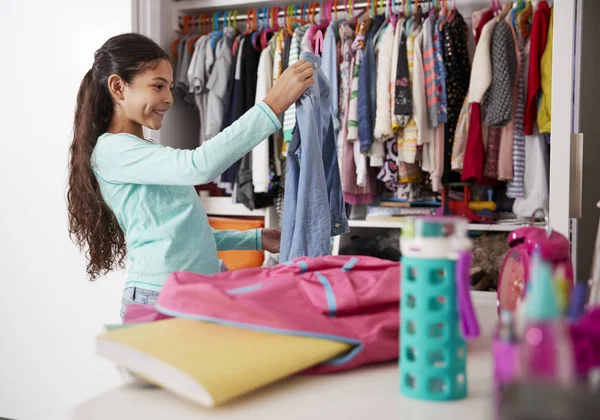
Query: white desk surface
[{"x": 367, "y": 393}]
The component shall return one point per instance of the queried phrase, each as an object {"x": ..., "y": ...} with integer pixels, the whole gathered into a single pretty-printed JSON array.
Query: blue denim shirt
[{"x": 313, "y": 206}]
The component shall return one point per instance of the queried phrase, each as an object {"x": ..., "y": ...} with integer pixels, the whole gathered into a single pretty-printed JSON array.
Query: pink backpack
[{"x": 350, "y": 299}]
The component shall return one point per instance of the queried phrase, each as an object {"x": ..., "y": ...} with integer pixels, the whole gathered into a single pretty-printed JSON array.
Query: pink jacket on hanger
[{"x": 350, "y": 299}]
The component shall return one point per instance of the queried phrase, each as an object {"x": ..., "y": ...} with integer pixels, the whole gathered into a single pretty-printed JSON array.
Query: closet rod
[{"x": 339, "y": 8}]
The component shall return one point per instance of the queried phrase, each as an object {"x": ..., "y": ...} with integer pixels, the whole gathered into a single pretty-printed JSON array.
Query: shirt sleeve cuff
[
  {"x": 339, "y": 225},
  {"x": 266, "y": 109},
  {"x": 259, "y": 246}
]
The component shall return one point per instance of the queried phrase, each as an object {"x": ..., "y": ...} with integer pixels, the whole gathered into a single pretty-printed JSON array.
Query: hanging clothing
[
  {"x": 440, "y": 76},
  {"x": 408, "y": 148},
  {"x": 461, "y": 136},
  {"x": 425, "y": 134},
  {"x": 285, "y": 58},
  {"x": 313, "y": 203},
  {"x": 535, "y": 180},
  {"x": 226, "y": 180},
  {"x": 458, "y": 69},
  {"x": 544, "y": 117},
  {"x": 492, "y": 152},
  {"x": 261, "y": 153},
  {"x": 389, "y": 172},
  {"x": 330, "y": 58},
  {"x": 538, "y": 39},
  {"x": 360, "y": 159},
  {"x": 184, "y": 59},
  {"x": 403, "y": 93},
  {"x": 349, "y": 299},
  {"x": 514, "y": 188},
  {"x": 244, "y": 183},
  {"x": 217, "y": 84},
  {"x": 383, "y": 123},
  {"x": 481, "y": 78},
  {"x": 393, "y": 73},
  {"x": 497, "y": 102},
  {"x": 367, "y": 85},
  {"x": 429, "y": 66},
  {"x": 353, "y": 193},
  {"x": 505, "y": 152},
  {"x": 289, "y": 117},
  {"x": 278, "y": 55},
  {"x": 199, "y": 79},
  {"x": 484, "y": 17},
  {"x": 438, "y": 156}
]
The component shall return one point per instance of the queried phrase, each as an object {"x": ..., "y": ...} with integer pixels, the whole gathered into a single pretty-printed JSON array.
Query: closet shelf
[
  {"x": 479, "y": 227},
  {"x": 222, "y": 206}
]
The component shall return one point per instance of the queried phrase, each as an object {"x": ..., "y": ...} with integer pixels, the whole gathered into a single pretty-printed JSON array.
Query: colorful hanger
[
  {"x": 318, "y": 42},
  {"x": 513, "y": 13},
  {"x": 274, "y": 27},
  {"x": 186, "y": 27}
]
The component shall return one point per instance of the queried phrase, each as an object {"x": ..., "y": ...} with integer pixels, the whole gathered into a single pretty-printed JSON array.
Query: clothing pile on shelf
[{"x": 410, "y": 111}]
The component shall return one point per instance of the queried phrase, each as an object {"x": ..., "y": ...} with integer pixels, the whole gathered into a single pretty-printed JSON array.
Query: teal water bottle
[{"x": 434, "y": 301}]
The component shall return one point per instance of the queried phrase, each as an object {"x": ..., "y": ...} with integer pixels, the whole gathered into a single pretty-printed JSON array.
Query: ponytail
[{"x": 92, "y": 224}]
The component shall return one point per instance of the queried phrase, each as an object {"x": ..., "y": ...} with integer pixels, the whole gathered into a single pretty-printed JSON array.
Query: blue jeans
[
  {"x": 313, "y": 207},
  {"x": 137, "y": 295}
]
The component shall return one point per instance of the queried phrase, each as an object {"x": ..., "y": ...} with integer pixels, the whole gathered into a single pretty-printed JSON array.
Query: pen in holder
[{"x": 435, "y": 300}]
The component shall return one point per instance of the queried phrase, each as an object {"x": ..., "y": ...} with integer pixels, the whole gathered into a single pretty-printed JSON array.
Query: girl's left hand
[{"x": 271, "y": 239}]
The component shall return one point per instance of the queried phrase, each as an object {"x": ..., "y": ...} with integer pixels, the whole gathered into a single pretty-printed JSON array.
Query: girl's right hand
[{"x": 290, "y": 86}]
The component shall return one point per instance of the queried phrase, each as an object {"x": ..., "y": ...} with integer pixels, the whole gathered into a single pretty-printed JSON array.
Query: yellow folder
[{"x": 209, "y": 363}]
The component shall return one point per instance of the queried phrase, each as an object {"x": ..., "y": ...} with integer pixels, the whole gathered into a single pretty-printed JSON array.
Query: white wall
[{"x": 49, "y": 312}]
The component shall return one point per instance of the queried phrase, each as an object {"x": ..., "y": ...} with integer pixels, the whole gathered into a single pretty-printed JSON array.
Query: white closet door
[
  {"x": 563, "y": 107},
  {"x": 586, "y": 121}
]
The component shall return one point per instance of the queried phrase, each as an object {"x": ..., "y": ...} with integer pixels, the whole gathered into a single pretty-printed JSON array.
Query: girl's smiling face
[{"x": 143, "y": 102}]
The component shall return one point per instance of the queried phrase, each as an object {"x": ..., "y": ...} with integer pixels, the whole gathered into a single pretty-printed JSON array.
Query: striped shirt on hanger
[{"x": 515, "y": 188}]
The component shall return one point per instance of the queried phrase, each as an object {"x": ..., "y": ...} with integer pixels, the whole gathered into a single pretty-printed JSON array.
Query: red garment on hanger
[
  {"x": 474, "y": 150},
  {"x": 538, "y": 40}
]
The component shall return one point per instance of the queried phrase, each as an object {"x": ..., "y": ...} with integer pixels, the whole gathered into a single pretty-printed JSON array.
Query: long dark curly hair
[{"x": 92, "y": 224}]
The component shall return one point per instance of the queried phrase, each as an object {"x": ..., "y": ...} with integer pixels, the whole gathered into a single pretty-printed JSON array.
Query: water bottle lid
[{"x": 435, "y": 227}]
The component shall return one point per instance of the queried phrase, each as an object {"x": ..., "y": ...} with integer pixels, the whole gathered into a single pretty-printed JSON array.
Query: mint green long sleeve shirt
[{"x": 150, "y": 189}]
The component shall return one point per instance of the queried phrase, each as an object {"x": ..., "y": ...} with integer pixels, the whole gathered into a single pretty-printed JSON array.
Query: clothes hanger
[
  {"x": 190, "y": 44},
  {"x": 447, "y": 13},
  {"x": 389, "y": 13},
  {"x": 411, "y": 18},
  {"x": 264, "y": 24},
  {"x": 234, "y": 18},
  {"x": 326, "y": 12},
  {"x": 261, "y": 27},
  {"x": 175, "y": 44},
  {"x": 318, "y": 42},
  {"x": 523, "y": 18},
  {"x": 516, "y": 10},
  {"x": 431, "y": 11},
  {"x": 264, "y": 41},
  {"x": 217, "y": 32},
  {"x": 453, "y": 12},
  {"x": 312, "y": 32},
  {"x": 504, "y": 13},
  {"x": 291, "y": 20}
]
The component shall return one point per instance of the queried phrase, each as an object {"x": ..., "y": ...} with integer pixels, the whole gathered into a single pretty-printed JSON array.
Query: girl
[{"x": 129, "y": 195}]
